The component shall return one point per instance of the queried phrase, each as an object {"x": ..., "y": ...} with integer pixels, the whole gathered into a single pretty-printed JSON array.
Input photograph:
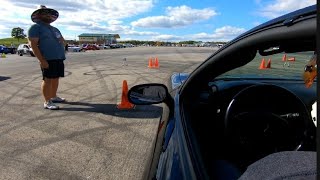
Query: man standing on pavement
[{"x": 48, "y": 46}]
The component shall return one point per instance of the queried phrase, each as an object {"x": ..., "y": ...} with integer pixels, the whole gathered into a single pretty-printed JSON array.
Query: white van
[{"x": 24, "y": 49}]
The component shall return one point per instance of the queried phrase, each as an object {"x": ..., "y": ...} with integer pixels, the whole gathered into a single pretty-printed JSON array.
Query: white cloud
[
  {"x": 99, "y": 16},
  {"x": 106, "y": 16},
  {"x": 141, "y": 33},
  {"x": 166, "y": 37},
  {"x": 256, "y": 23},
  {"x": 280, "y": 7},
  {"x": 225, "y": 33},
  {"x": 228, "y": 31},
  {"x": 176, "y": 17},
  {"x": 114, "y": 22}
]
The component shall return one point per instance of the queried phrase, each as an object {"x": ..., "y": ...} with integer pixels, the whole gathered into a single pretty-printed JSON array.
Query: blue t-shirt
[{"x": 49, "y": 45}]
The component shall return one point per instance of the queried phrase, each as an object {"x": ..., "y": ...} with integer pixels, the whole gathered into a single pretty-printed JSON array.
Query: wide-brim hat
[{"x": 43, "y": 9}]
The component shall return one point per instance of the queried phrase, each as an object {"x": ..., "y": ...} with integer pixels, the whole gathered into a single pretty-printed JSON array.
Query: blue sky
[{"x": 151, "y": 20}]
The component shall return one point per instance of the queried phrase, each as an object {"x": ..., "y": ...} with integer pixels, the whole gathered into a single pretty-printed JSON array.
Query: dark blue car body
[{"x": 4, "y": 49}]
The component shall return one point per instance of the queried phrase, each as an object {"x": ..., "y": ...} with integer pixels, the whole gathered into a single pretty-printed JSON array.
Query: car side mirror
[{"x": 145, "y": 94}]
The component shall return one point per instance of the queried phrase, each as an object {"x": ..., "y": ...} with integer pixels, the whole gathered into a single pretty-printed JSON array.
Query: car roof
[{"x": 285, "y": 20}]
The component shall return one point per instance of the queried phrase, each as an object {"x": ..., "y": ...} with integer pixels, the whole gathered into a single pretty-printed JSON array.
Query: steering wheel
[{"x": 263, "y": 119}]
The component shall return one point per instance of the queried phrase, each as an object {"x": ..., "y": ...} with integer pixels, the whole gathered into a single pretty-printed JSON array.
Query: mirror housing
[{"x": 145, "y": 94}]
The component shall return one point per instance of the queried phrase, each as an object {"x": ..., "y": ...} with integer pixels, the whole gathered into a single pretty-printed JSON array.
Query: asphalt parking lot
[{"x": 89, "y": 137}]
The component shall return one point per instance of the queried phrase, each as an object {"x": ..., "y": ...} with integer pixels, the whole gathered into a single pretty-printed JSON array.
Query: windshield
[{"x": 277, "y": 66}]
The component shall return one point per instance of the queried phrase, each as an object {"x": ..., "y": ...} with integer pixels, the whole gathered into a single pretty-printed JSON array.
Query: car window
[{"x": 281, "y": 66}]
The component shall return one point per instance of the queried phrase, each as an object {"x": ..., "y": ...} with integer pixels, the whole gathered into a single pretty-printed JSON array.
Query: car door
[{"x": 175, "y": 161}]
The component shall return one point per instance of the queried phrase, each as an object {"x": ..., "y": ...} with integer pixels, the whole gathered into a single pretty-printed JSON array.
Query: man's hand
[
  {"x": 34, "y": 45},
  {"x": 44, "y": 64}
]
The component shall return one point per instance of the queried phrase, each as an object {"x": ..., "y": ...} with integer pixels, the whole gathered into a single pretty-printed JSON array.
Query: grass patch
[{"x": 14, "y": 41}]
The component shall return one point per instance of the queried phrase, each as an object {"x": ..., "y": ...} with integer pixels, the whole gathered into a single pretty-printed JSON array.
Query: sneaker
[
  {"x": 58, "y": 99},
  {"x": 50, "y": 105}
]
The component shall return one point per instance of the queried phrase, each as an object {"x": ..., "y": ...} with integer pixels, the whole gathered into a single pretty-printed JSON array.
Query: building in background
[{"x": 98, "y": 38}]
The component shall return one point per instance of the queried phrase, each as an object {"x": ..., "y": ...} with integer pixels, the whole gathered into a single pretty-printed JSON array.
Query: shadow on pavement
[
  {"x": 3, "y": 78},
  {"x": 145, "y": 111}
]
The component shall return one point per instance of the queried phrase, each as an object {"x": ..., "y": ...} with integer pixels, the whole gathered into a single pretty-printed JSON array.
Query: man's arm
[
  {"x": 34, "y": 45},
  {"x": 62, "y": 41}
]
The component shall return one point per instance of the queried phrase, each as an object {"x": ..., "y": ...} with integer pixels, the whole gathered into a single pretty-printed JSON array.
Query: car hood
[{"x": 178, "y": 78}]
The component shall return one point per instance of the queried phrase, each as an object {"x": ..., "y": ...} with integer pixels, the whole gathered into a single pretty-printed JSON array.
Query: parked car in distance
[
  {"x": 12, "y": 50},
  {"x": 4, "y": 49},
  {"x": 106, "y": 46},
  {"x": 24, "y": 49},
  {"x": 114, "y": 46},
  {"x": 246, "y": 112},
  {"x": 74, "y": 48},
  {"x": 90, "y": 47}
]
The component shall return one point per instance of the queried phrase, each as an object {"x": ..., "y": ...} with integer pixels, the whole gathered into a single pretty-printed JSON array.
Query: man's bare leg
[
  {"x": 54, "y": 87},
  {"x": 46, "y": 88}
]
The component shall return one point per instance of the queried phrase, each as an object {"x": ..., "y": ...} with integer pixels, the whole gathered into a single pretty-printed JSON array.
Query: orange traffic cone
[
  {"x": 284, "y": 57},
  {"x": 125, "y": 104},
  {"x": 150, "y": 63},
  {"x": 269, "y": 63},
  {"x": 292, "y": 59},
  {"x": 156, "y": 63},
  {"x": 262, "y": 65}
]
